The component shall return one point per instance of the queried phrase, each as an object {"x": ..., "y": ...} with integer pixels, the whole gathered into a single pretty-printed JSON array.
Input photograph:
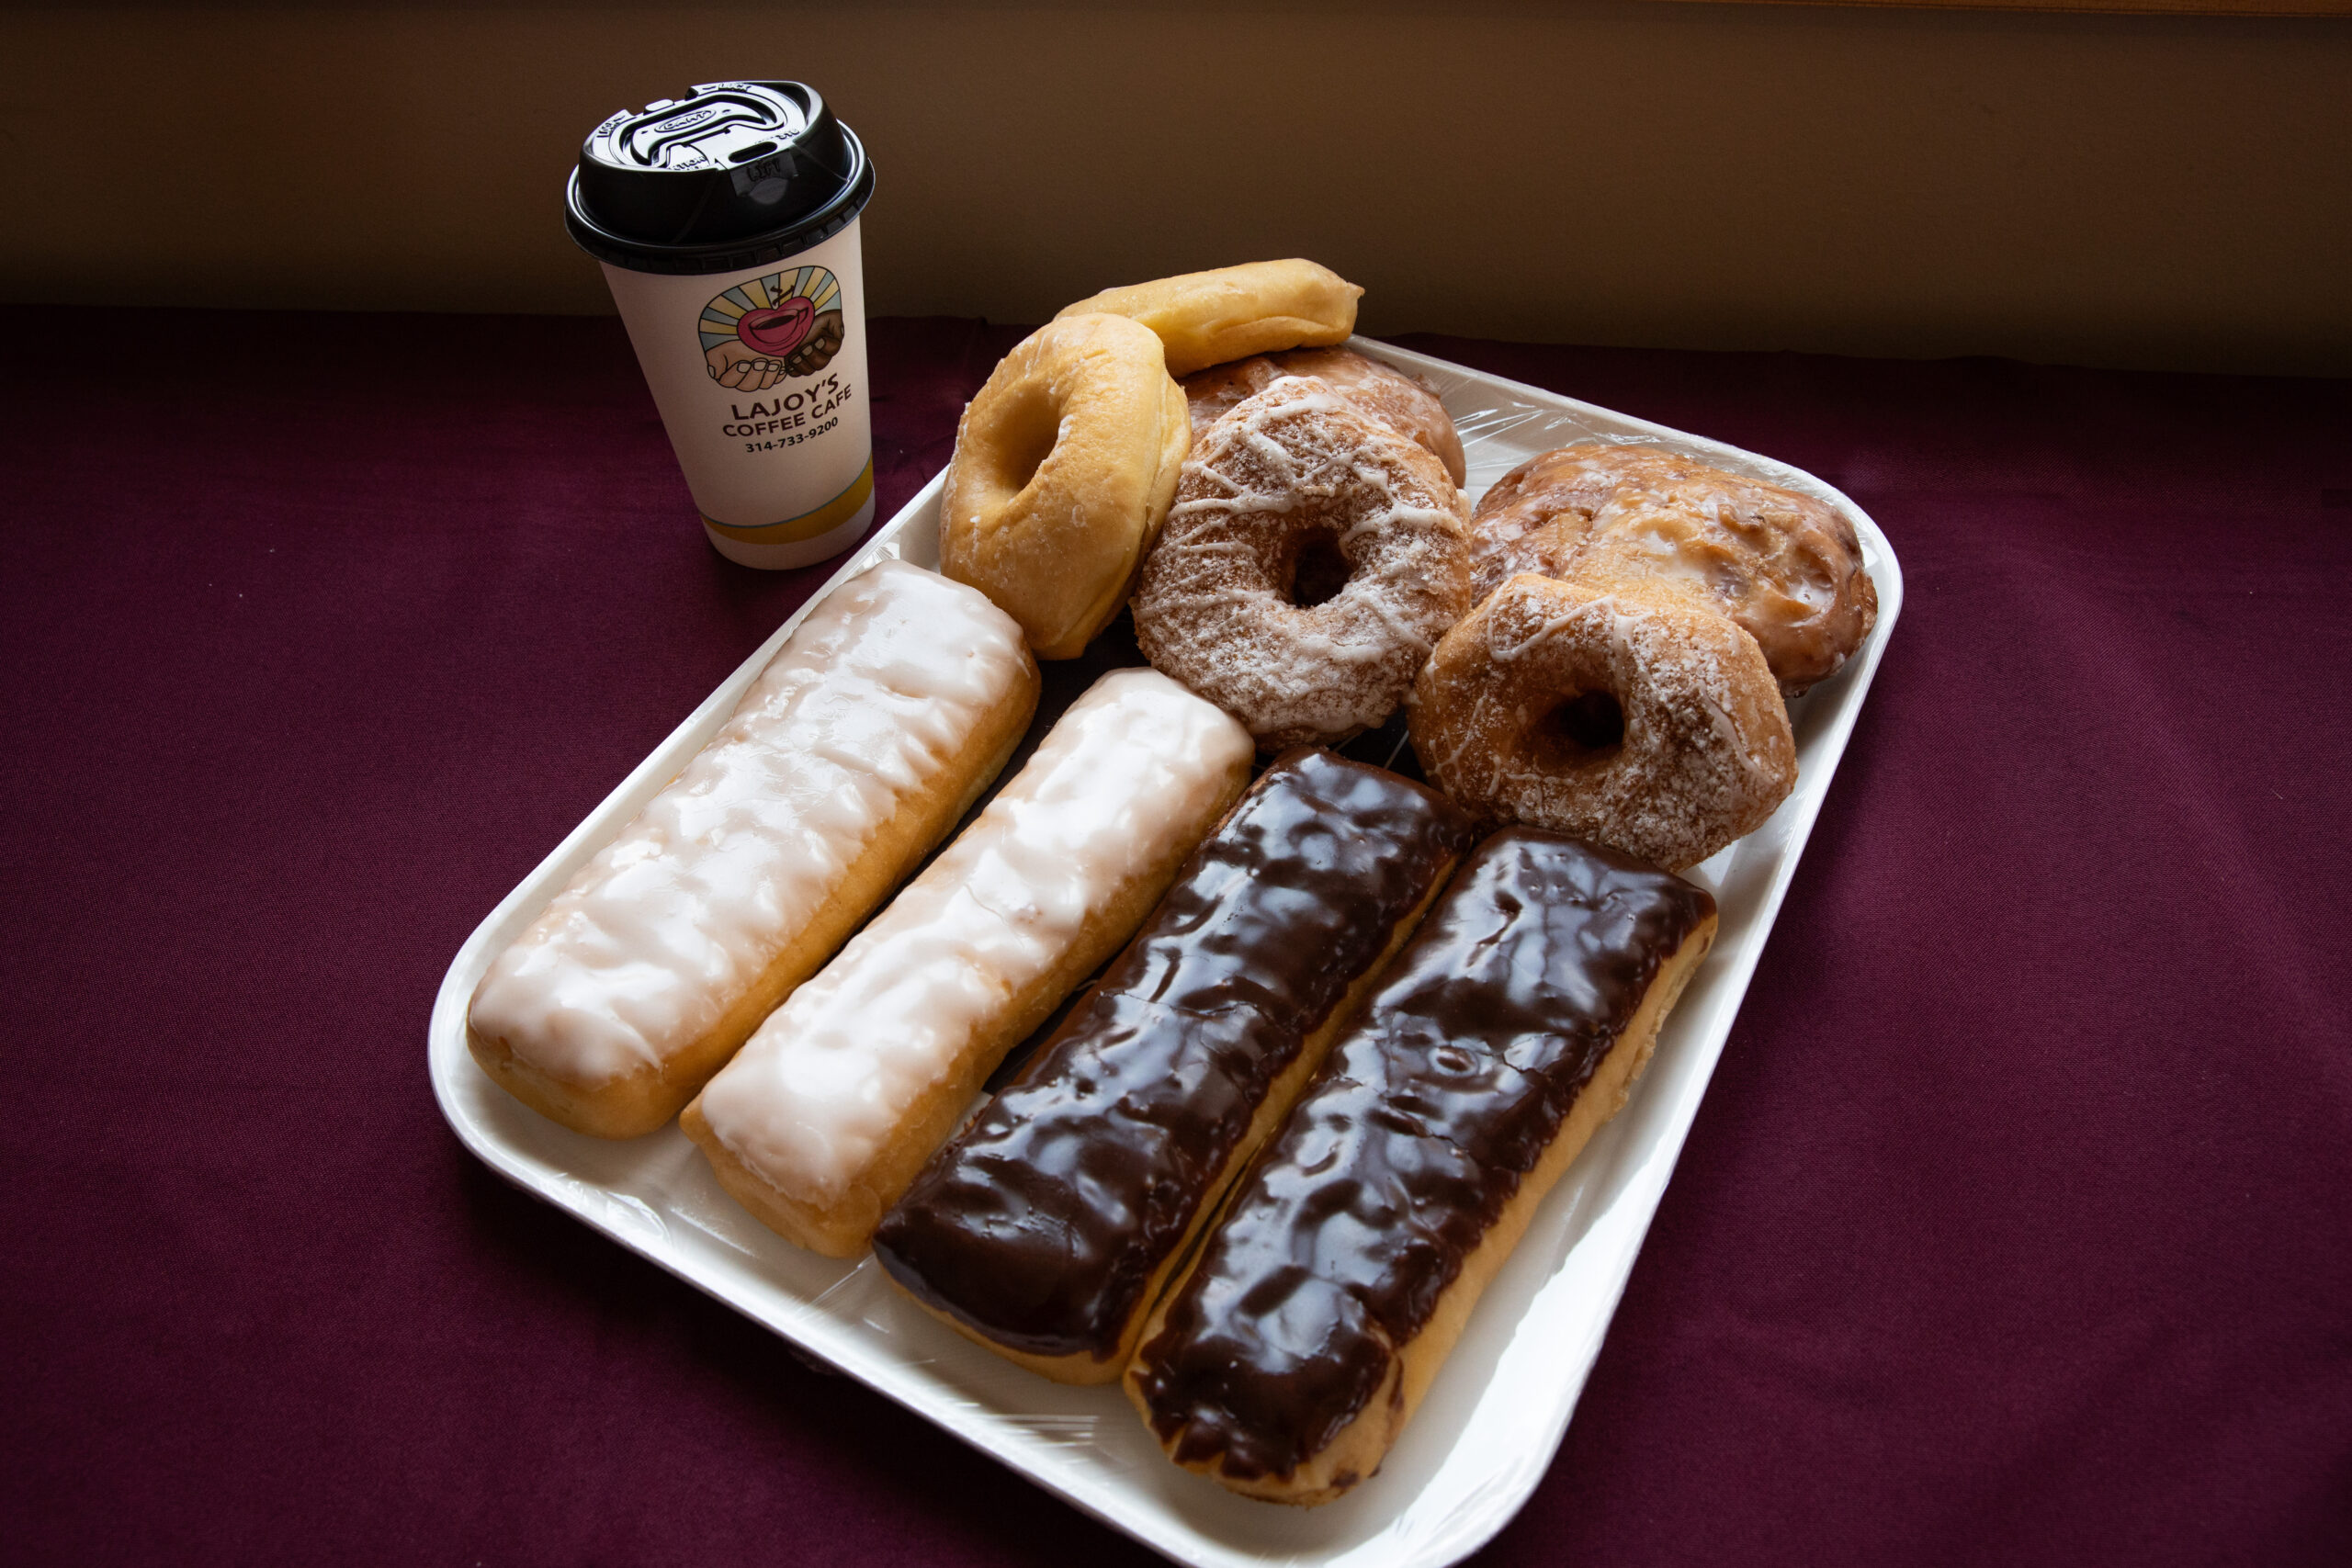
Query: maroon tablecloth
[{"x": 2016, "y": 1228}]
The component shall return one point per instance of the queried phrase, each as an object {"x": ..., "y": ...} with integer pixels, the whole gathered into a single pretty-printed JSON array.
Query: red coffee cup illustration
[{"x": 767, "y": 330}]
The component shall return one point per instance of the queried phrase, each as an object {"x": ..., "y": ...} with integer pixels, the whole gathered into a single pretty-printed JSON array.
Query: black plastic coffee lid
[{"x": 733, "y": 175}]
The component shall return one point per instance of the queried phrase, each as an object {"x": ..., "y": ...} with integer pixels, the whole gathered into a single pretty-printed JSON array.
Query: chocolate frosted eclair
[
  {"x": 1287, "y": 1361},
  {"x": 1046, "y": 1229}
]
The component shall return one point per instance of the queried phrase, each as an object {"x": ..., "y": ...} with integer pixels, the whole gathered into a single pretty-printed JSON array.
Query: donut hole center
[
  {"x": 1026, "y": 442},
  {"x": 1586, "y": 728},
  {"x": 1319, "y": 572}
]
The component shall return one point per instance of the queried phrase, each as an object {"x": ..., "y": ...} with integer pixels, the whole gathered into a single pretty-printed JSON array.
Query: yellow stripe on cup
[{"x": 808, "y": 524}]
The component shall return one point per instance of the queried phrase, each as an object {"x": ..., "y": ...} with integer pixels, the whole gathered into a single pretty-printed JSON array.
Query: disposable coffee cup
[{"x": 727, "y": 222}]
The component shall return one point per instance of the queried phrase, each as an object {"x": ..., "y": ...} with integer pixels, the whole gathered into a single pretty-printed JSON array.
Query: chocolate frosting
[
  {"x": 1357, "y": 1218},
  {"x": 1042, "y": 1223}
]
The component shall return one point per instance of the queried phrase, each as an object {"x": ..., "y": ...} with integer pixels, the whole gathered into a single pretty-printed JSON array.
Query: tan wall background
[{"x": 2162, "y": 191}]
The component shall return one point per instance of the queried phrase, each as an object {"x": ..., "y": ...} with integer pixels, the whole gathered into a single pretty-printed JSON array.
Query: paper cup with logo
[{"x": 727, "y": 222}]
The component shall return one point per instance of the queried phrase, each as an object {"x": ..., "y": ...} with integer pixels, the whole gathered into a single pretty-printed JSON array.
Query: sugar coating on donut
[
  {"x": 1288, "y": 471},
  {"x": 1704, "y": 752},
  {"x": 1405, "y": 403},
  {"x": 1784, "y": 565}
]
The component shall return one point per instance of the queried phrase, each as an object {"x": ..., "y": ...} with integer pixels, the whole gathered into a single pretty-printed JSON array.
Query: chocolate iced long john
[
  {"x": 1290, "y": 1357},
  {"x": 1046, "y": 1229}
]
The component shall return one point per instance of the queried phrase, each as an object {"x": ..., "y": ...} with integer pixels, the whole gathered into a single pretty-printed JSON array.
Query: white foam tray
[{"x": 1495, "y": 1417}]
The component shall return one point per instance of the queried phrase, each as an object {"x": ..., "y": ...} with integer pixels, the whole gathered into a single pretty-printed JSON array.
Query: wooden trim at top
[{"x": 2106, "y": 7}]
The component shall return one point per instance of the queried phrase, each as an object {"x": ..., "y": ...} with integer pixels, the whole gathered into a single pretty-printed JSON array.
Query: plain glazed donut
[
  {"x": 1403, "y": 403},
  {"x": 1631, "y": 714},
  {"x": 1208, "y": 318},
  {"x": 1784, "y": 565},
  {"x": 1065, "y": 464},
  {"x": 1294, "y": 475}
]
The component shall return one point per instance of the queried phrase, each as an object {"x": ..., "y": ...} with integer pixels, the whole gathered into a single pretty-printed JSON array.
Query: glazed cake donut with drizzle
[
  {"x": 821, "y": 1121},
  {"x": 1378, "y": 391},
  {"x": 874, "y": 729},
  {"x": 1291, "y": 477}
]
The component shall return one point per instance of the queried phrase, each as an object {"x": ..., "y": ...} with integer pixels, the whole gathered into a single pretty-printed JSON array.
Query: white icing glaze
[
  {"x": 1132, "y": 774},
  {"x": 872, "y": 698}
]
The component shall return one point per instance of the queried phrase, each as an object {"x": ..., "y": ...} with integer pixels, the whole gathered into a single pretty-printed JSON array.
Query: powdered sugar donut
[
  {"x": 1293, "y": 493},
  {"x": 1381, "y": 391},
  {"x": 1631, "y": 714}
]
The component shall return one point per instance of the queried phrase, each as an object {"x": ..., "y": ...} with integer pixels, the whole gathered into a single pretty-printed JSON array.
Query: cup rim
[{"x": 726, "y": 255}]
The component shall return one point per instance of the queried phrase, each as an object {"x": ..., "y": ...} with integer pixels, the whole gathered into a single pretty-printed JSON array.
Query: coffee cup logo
[{"x": 772, "y": 329}]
